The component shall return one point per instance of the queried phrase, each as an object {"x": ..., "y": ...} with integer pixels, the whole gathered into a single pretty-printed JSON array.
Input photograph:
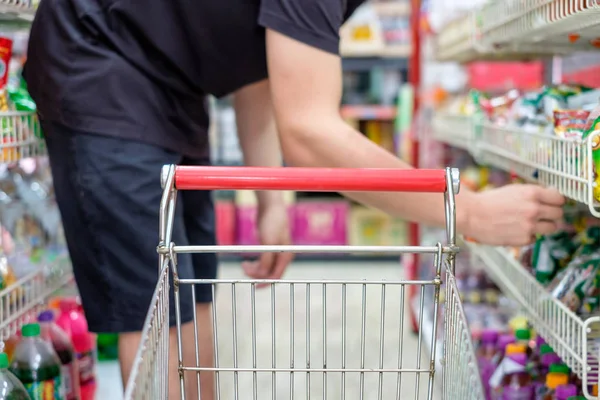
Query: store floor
[{"x": 109, "y": 378}]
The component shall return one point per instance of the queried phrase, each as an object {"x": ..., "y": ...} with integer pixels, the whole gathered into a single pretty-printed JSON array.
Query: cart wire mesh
[{"x": 305, "y": 338}]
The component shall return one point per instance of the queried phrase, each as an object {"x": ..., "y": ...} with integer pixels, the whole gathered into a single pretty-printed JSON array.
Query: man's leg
[{"x": 108, "y": 191}]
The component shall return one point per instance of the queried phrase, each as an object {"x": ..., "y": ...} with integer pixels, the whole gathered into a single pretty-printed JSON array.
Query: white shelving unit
[
  {"x": 20, "y": 136},
  {"x": 515, "y": 29},
  {"x": 18, "y": 9},
  {"x": 575, "y": 339},
  {"x": 522, "y": 30}
]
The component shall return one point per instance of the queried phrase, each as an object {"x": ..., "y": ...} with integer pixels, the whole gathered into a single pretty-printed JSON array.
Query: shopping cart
[{"x": 271, "y": 343}]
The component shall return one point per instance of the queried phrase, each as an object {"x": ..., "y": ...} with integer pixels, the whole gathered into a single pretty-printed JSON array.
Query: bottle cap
[
  {"x": 515, "y": 348},
  {"x": 563, "y": 392},
  {"x": 560, "y": 369},
  {"x": 595, "y": 390},
  {"x": 46, "y": 316},
  {"x": 489, "y": 336},
  {"x": 546, "y": 349},
  {"x": 554, "y": 380},
  {"x": 523, "y": 334},
  {"x": 30, "y": 330},
  {"x": 3, "y": 361}
]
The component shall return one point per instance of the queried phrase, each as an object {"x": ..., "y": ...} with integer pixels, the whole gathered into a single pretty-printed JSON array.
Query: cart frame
[{"x": 148, "y": 379}]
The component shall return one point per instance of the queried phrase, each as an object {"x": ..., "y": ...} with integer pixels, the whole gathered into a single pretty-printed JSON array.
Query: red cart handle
[{"x": 310, "y": 179}]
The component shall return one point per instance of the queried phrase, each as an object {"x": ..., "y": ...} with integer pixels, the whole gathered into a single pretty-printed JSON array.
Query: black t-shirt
[{"x": 141, "y": 69}]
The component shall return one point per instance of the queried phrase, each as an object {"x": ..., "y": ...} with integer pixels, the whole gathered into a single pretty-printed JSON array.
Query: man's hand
[
  {"x": 513, "y": 215},
  {"x": 273, "y": 229}
]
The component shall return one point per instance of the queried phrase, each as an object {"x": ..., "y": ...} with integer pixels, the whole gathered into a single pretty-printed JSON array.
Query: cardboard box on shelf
[
  {"x": 369, "y": 227},
  {"x": 320, "y": 223}
]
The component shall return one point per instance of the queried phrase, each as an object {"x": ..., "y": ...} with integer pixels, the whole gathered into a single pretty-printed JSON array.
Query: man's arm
[
  {"x": 257, "y": 133},
  {"x": 306, "y": 85}
]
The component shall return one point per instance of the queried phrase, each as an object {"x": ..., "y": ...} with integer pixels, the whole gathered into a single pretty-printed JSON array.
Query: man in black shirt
[{"x": 121, "y": 88}]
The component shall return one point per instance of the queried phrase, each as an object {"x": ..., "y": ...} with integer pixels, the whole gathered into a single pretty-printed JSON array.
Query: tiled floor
[{"x": 357, "y": 327}]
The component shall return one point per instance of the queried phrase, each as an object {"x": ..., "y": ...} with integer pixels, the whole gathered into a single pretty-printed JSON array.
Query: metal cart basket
[{"x": 317, "y": 339}]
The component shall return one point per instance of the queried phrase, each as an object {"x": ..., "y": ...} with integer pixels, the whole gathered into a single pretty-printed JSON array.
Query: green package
[{"x": 550, "y": 255}]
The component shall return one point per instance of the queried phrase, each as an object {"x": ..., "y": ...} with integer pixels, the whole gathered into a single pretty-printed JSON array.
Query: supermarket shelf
[
  {"x": 453, "y": 129},
  {"x": 368, "y": 112},
  {"x": 575, "y": 340},
  {"x": 353, "y": 64},
  {"x": 17, "y": 9},
  {"x": 21, "y": 136},
  {"x": 22, "y": 300},
  {"x": 513, "y": 30},
  {"x": 564, "y": 164}
]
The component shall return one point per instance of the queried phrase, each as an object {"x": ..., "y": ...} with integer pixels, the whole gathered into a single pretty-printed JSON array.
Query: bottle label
[
  {"x": 68, "y": 376},
  {"x": 86, "y": 368},
  {"x": 51, "y": 389}
]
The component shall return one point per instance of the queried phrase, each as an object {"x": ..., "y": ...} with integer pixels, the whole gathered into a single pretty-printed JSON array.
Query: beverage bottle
[
  {"x": 503, "y": 342},
  {"x": 61, "y": 343},
  {"x": 37, "y": 366},
  {"x": 487, "y": 356},
  {"x": 10, "y": 387},
  {"x": 516, "y": 383},
  {"x": 553, "y": 381},
  {"x": 547, "y": 358},
  {"x": 73, "y": 322},
  {"x": 564, "y": 392},
  {"x": 524, "y": 336},
  {"x": 511, "y": 363}
]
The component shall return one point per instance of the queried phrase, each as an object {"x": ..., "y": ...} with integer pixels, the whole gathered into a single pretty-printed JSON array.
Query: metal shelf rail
[
  {"x": 21, "y": 136},
  {"x": 21, "y": 301},
  {"x": 453, "y": 129},
  {"x": 576, "y": 340},
  {"x": 564, "y": 164},
  {"x": 521, "y": 29}
]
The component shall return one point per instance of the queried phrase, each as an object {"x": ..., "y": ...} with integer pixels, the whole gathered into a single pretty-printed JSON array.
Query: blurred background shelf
[{"x": 575, "y": 340}]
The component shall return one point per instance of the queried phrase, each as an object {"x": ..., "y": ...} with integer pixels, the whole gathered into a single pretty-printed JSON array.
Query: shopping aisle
[{"x": 109, "y": 373}]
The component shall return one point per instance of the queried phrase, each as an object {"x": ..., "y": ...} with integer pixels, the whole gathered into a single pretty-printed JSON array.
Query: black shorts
[{"x": 108, "y": 191}]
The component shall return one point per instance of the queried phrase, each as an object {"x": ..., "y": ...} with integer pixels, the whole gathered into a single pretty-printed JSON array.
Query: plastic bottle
[
  {"x": 564, "y": 392},
  {"x": 553, "y": 381},
  {"x": 547, "y": 358},
  {"x": 523, "y": 336},
  {"x": 61, "y": 343},
  {"x": 516, "y": 383},
  {"x": 511, "y": 363},
  {"x": 37, "y": 366},
  {"x": 10, "y": 386},
  {"x": 73, "y": 322},
  {"x": 487, "y": 356}
]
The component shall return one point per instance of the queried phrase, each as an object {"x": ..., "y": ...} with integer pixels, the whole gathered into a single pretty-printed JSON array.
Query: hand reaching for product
[
  {"x": 513, "y": 215},
  {"x": 273, "y": 229}
]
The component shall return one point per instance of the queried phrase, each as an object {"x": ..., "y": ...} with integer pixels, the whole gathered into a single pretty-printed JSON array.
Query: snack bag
[
  {"x": 550, "y": 255},
  {"x": 593, "y": 125},
  {"x": 5, "y": 56},
  {"x": 570, "y": 124}
]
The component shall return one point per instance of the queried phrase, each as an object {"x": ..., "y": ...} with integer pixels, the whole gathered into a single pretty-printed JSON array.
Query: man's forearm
[
  {"x": 257, "y": 133},
  {"x": 309, "y": 145}
]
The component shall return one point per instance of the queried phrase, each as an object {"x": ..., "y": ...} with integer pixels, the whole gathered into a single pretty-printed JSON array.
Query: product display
[
  {"x": 11, "y": 387},
  {"x": 37, "y": 366}
]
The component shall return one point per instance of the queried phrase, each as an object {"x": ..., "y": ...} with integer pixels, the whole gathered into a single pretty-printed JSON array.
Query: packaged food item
[
  {"x": 551, "y": 254},
  {"x": 37, "y": 366},
  {"x": 487, "y": 352},
  {"x": 553, "y": 381},
  {"x": 12, "y": 388},
  {"x": 6, "y": 45},
  {"x": 570, "y": 124},
  {"x": 565, "y": 392},
  {"x": 593, "y": 125},
  {"x": 511, "y": 381}
]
